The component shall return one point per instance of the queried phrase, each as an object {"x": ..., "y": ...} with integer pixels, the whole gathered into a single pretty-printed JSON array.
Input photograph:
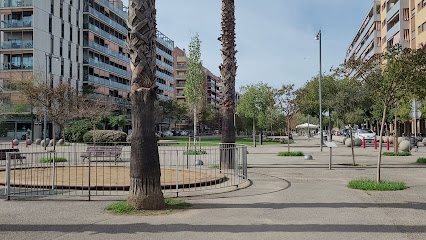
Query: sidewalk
[{"x": 290, "y": 198}]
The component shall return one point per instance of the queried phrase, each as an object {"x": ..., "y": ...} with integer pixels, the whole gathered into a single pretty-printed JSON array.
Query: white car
[
  {"x": 366, "y": 134},
  {"x": 168, "y": 134},
  {"x": 184, "y": 133}
]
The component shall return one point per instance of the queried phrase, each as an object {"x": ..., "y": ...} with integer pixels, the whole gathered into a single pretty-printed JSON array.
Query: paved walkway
[{"x": 290, "y": 198}]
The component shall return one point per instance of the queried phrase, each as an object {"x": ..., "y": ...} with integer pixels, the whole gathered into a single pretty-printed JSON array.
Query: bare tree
[
  {"x": 285, "y": 100},
  {"x": 145, "y": 185}
]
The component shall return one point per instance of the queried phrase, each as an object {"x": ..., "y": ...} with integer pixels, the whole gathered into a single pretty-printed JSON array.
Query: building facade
[
  {"x": 389, "y": 22},
  {"x": 82, "y": 42}
]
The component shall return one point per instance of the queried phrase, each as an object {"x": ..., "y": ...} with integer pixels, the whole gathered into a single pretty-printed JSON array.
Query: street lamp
[
  {"x": 318, "y": 37},
  {"x": 45, "y": 110}
]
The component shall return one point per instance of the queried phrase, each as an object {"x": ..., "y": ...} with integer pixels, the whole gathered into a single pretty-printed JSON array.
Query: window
[
  {"x": 76, "y": 53},
  {"x": 413, "y": 34},
  {"x": 62, "y": 67},
  {"x": 70, "y": 69},
  {"x": 61, "y": 12},
  {"x": 50, "y": 24},
  {"x": 52, "y": 41},
  {"x": 77, "y": 16},
  {"x": 69, "y": 50},
  {"x": 50, "y": 64},
  {"x": 52, "y": 7},
  {"x": 62, "y": 30},
  {"x": 78, "y": 36},
  {"x": 69, "y": 14},
  {"x": 60, "y": 48},
  {"x": 424, "y": 27},
  {"x": 71, "y": 33}
]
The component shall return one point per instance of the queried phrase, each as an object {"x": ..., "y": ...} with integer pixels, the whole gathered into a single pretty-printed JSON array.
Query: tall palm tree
[
  {"x": 228, "y": 70},
  {"x": 145, "y": 186}
]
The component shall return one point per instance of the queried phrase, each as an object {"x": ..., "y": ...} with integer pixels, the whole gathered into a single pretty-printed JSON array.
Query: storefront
[{"x": 16, "y": 129}]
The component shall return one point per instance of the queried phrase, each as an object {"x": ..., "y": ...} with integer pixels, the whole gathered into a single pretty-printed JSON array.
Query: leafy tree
[
  {"x": 118, "y": 121},
  {"x": 195, "y": 82},
  {"x": 390, "y": 76},
  {"x": 255, "y": 101},
  {"x": 145, "y": 185},
  {"x": 285, "y": 99}
]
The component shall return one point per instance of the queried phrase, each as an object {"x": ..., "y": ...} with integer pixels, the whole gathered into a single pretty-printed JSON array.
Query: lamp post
[
  {"x": 318, "y": 37},
  {"x": 45, "y": 110}
]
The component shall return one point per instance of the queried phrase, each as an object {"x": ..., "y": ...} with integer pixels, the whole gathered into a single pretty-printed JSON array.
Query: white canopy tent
[{"x": 306, "y": 125}]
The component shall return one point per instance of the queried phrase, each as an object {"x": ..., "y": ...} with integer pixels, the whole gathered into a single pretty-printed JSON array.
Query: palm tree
[
  {"x": 145, "y": 186},
  {"x": 228, "y": 70}
]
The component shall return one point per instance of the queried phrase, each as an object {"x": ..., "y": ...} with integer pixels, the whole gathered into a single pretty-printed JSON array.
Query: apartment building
[
  {"x": 82, "y": 42},
  {"x": 389, "y": 22}
]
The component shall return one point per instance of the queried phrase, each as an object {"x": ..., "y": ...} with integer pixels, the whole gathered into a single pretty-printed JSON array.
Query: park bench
[
  {"x": 102, "y": 152},
  {"x": 17, "y": 155}
]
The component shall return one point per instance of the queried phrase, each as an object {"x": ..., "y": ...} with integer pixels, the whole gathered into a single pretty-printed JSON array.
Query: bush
[
  {"x": 421, "y": 160},
  {"x": 400, "y": 154},
  {"x": 290, "y": 154},
  {"x": 105, "y": 136},
  {"x": 197, "y": 152},
  {"x": 75, "y": 130},
  {"x": 367, "y": 184},
  {"x": 50, "y": 160}
]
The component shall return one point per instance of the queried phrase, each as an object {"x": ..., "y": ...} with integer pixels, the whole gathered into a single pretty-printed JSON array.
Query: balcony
[
  {"x": 165, "y": 65},
  {"x": 117, "y": 11},
  {"x": 16, "y": 24},
  {"x": 108, "y": 82},
  {"x": 107, "y": 35},
  {"x": 393, "y": 10},
  {"x": 108, "y": 20},
  {"x": 16, "y": 3},
  {"x": 17, "y": 44},
  {"x": 180, "y": 85},
  {"x": 16, "y": 66},
  {"x": 181, "y": 77},
  {"x": 164, "y": 98},
  {"x": 164, "y": 54},
  {"x": 164, "y": 76},
  {"x": 393, "y": 30},
  {"x": 164, "y": 87},
  {"x": 108, "y": 51},
  {"x": 182, "y": 67},
  {"x": 108, "y": 67},
  {"x": 16, "y": 108},
  {"x": 180, "y": 95}
]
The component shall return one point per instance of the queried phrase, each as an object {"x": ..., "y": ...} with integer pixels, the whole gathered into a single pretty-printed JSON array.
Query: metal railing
[{"x": 104, "y": 170}]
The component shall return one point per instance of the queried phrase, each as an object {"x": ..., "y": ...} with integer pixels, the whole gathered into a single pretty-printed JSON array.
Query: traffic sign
[
  {"x": 415, "y": 104},
  {"x": 415, "y": 114}
]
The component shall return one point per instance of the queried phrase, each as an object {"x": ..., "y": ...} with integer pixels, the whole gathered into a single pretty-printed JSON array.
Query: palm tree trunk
[
  {"x": 145, "y": 186},
  {"x": 228, "y": 70}
]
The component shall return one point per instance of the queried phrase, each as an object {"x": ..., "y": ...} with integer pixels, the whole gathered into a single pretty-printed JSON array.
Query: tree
[
  {"x": 390, "y": 76},
  {"x": 59, "y": 104},
  {"x": 228, "y": 70},
  {"x": 145, "y": 185},
  {"x": 255, "y": 100},
  {"x": 285, "y": 99},
  {"x": 195, "y": 82},
  {"x": 118, "y": 121}
]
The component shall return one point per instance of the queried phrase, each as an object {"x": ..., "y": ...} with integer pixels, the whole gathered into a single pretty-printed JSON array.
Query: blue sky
[{"x": 275, "y": 38}]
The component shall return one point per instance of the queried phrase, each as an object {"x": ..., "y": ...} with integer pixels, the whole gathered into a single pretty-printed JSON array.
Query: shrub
[
  {"x": 195, "y": 152},
  {"x": 421, "y": 160},
  {"x": 290, "y": 154},
  {"x": 400, "y": 154},
  {"x": 75, "y": 130},
  {"x": 367, "y": 184},
  {"x": 50, "y": 160},
  {"x": 105, "y": 136}
]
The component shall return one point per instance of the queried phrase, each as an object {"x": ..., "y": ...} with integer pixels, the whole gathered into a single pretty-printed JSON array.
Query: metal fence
[{"x": 103, "y": 170}]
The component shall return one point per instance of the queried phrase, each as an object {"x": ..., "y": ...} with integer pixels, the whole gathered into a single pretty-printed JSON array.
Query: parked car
[
  {"x": 366, "y": 134},
  {"x": 167, "y": 134},
  {"x": 159, "y": 134},
  {"x": 184, "y": 133}
]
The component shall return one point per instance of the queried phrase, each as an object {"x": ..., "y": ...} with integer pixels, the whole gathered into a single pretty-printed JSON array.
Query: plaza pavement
[{"x": 290, "y": 198}]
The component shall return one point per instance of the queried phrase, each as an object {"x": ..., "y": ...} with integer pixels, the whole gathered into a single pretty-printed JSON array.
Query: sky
[{"x": 275, "y": 38}]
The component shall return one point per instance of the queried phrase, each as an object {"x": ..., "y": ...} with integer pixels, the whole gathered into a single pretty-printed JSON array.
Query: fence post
[
  {"x": 236, "y": 157},
  {"x": 89, "y": 175},
  {"x": 245, "y": 162},
  {"x": 8, "y": 158},
  {"x": 177, "y": 173}
]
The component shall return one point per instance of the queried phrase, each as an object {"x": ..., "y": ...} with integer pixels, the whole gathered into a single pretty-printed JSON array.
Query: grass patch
[
  {"x": 371, "y": 185},
  {"x": 195, "y": 152},
  {"x": 64, "y": 145},
  {"x": 172, "y": 205},
  {"x": 50, "y": 160},
  {"x": 421, "y": 160},
  {"x": 214, "y": 166},
  {"x": 290, "y": 154},
  {"x": 400, "y": 154}
]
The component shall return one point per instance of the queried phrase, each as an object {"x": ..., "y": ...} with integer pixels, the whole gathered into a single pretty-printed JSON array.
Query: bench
[
  {"x": 17, "y": 155},
  {"x": 111, "y": 152}
]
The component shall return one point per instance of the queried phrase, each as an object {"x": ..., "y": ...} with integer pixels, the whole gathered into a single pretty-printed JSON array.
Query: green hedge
[
  {"x": 50, "y": 160},
  {"x": 105, "y": 136},
  {"x": 75, "y": 130},
  {"x": 197, "y": 152},
  {"x": 290, "y": 154},
  {"x": 371, "y": 185},
  {"x": 400, "y": 154}
]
